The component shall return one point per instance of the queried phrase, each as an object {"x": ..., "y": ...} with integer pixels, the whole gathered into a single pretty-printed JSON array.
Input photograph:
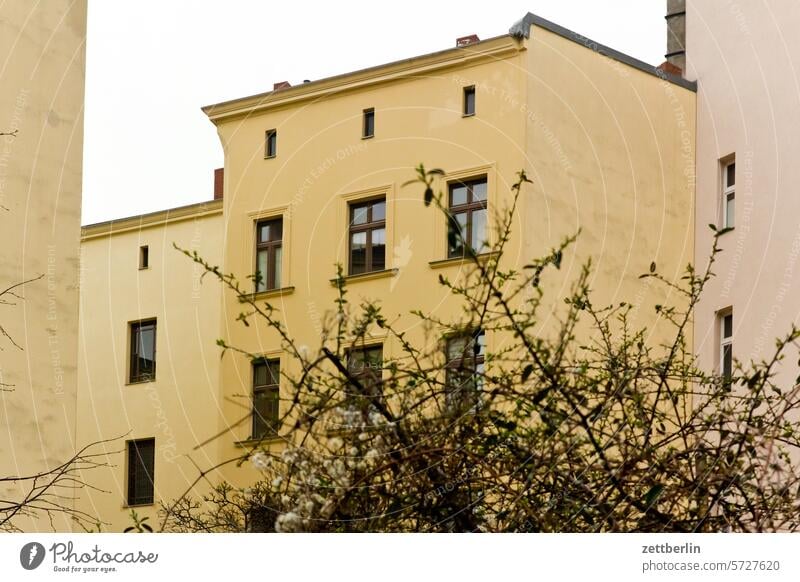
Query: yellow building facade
[
  {"x": 314, "y": 177},
  {"x": 41, "y": 158},
  {"x": 141, "y": 296},
  {"x": 608, "y": 142}
]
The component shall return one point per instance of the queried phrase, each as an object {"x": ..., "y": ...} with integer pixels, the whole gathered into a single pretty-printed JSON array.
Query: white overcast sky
[{"x": 151, "y": 65}]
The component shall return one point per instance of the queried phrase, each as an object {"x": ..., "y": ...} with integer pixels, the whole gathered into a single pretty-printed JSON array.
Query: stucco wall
[
  {"x": 181, "y": 407},
  {"x": 41, "y": 96},
  {"x": 746, "y": 58}
]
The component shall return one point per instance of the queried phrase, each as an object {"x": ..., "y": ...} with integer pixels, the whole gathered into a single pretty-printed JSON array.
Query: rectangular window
[
  {"x": 368, "y": 236},
  {"x": 143, "y": 351},
  {"x": 272, "y": 143},
  {"x": 266, "y": 398},
  {"x": 728, "y": 194},
  {"x": 726, "y": 345},
  {"x": 465, "y": 355},
  {"x": 369, "y": 123},
  {"x": 144, "y": 257},
  {"x": 467, "y": 221},
  {"x": 365, "y": 364},
  {"x": 469, "y": 100},
  {"x": 141, "y": 471},
  {"x": 269, "y": 254}
]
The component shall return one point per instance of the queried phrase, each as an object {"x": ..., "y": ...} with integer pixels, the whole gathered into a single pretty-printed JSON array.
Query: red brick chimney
[
  {"x": 281, "y": 85},
  {"x": 467, "y": 40},
  {"x": 219, "y": 180}
]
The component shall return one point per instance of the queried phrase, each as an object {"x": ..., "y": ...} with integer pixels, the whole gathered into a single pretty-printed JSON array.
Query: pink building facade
[{"x": 745, "y": 57}]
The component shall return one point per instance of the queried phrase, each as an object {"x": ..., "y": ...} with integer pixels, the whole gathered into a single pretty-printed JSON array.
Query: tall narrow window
[
  {"x": 144, "y": 257},
  {"x": 143, "y": 351},
  {"x": 464, "y": 369},
  {"x": 365, "y": 364},
  {"x": 368, "y": 236},
  {"x": 467, "y": 221},
  {"x": 272, "y": 143},
  {"x": 726, "y": 345},
  {"x": 728, "y": 194},
  {"x": 369, "y": 123},
  {"x": 266, "y": 398},
  {"x": 269, "y": 254},
  {"x": 141, "y": 471},
  {"x": 469, "y": 100}
]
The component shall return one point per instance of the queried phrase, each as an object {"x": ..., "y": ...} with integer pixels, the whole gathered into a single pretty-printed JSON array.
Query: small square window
[
  {"x": 141, "y": 469},
  {"x": 272, "y": 143},
  {"x": 469, "y": 100},
  {"x": 369, "y": 123},
  {"x": 144, "y": 257}
]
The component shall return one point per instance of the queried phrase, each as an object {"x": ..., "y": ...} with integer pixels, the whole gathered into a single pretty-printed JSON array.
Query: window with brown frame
[
  {"x": 141, "y": 471},
  {"x": 271, "y": 146},
  {"x": 266, "y": 398},
  {"x": 269, "y": 254},
  {"x": 142, "y": 351},
  {"x": 367, "y": 236},
  {"x": 467, "y": 220},
  {"x": 368, "y": 129},
  {"x": 365, "y": 364},
  {"x": 469, "y": 100},
  {"x": 464, "y": 367},
  {"x": 144, "y": 257}
]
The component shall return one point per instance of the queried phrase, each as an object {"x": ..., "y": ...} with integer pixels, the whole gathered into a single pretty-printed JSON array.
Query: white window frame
[
  {"x": 724, "y": 341},
  {"x": 728, "y": 194}
]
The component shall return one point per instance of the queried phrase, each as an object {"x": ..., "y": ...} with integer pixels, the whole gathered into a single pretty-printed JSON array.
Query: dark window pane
[
  {"x": 366, "y": 365},
  {"x": 143, "y": 351},
  {"x": 141, "y": 465},
  {"x": 456, "y": 231},
  {"x": 272, "y": 143},
  {"x": 727, "y": 361},
  {"x": 144, "y": 257},
  {"x": 469, "y": 100},
  {"x": 731, "y": 175},
  {"x": 266, "y": 398},
  {"x": 378, "y": 249},
  {"x": 358, "y": 252},
  {"x": 369, "y": 123},
  {"x": 727, "y": 326}
]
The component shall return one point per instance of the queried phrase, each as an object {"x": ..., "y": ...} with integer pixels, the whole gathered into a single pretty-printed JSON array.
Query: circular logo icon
[{"x": 31, "y": 555}]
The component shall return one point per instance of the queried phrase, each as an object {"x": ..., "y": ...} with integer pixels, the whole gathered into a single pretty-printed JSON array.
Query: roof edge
[
  {"x": 522, "y": 29},
  {"x": 491, "y": 48},
  {"x": 151, "y": 219}
]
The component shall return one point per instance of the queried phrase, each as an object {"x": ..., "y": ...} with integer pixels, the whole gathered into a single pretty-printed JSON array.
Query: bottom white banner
[{"x": 355, "y": 557}]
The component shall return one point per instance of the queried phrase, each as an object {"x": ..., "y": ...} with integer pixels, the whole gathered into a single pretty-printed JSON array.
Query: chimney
[
  {"x": 676, "y": 33},
  {"x": 219, "y": 177},
  {"x": 281, "y": 85},
  {"x": 467, "y": 40}
]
